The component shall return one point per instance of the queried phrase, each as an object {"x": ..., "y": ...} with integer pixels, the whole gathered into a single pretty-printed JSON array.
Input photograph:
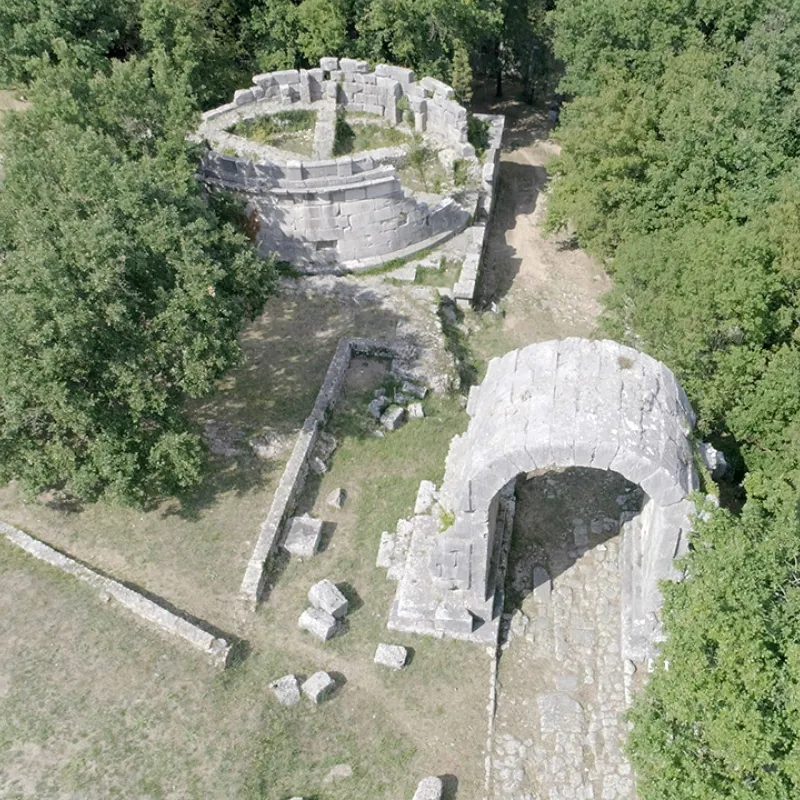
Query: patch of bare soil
[{"x": 542, "y": 287}]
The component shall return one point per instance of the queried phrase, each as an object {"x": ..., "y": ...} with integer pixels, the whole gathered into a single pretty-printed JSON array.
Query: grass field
[{"x": 93, "y": 704}]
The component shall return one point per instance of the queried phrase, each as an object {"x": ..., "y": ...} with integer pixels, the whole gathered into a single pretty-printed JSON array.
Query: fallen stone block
[
  {"x": 325, "y": 596},
  {"x": 393, "y": 418},
  {"x": 318, "y": 687},
  {"x": 414, "y": 389},
  {"x": 317, "y": 465},
  {"x": 386, "y": 550},
  {"x": 429, "y": 789},
  {"x": 287, "y": 690},
  {"x": 378, "y": 406},
  {"x": 318, "y": 623},
  {"x": 336, "y": 498},
  {"x": 415, "y": 411},
  {"x": 303, "y": 536},
  {"x": 392, "y": 656}
]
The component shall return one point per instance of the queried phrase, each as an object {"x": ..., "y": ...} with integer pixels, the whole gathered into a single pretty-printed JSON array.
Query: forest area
[{"x": 680, "y": 170}]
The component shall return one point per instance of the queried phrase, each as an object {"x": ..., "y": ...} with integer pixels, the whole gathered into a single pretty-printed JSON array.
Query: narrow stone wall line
[
  {"x": 217, "y": 650},
  {"x": 294, "y": 475}
]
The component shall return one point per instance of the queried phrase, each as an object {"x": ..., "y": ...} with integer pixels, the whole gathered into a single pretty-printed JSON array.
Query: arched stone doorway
[{"x": 557, "y": 404}]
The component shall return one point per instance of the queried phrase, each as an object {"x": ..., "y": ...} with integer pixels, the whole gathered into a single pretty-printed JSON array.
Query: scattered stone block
[
  {"x": 386, "y": 550},
  {"x": 401, "y": 399},
  {"x": 325, "y": 596},
  {"x": 319, "y": 623},
  {"x": 287, "y": 690},
  {"x": 303, "y": 536},
  {"x": 378, "y": 406},
  {"x": 317, "y": 465},
  {"x": 391, "y": 655},
  {"x": 336, "y": 498},
  {"x": 393, "y": 418},
  {"x": 326, "y": 444},
  {"x": 318, "y": 687},
  {"x": 429, "y": 789},
  {"x": 338, "y": 772},
  {"x": 415, "y": 411},
  {"x": 415, "y": 390}
]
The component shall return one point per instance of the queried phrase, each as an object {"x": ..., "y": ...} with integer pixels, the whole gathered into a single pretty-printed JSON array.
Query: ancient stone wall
[
  {"x": 350, "y": 212},
  {"x": 296, "y": 470}
]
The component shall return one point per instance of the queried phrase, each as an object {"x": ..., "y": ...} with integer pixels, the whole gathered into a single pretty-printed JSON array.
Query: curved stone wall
[
  {"x": 351, "y": 211},
  {"x": 558, "y": 404}
]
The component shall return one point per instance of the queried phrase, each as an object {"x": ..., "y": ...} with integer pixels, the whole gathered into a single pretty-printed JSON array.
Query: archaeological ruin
[
  {"x": 553, "y": 405},
  {"x": 357, "y": 167}
]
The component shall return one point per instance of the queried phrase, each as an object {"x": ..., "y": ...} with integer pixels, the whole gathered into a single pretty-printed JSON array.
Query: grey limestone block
[
  {"x": 243, "y": 96},
  {"x": 392, "y": 656},
  {"x": 393, "y": 418},
  {"x": 287, "y": 690},
  {"x": 336, "y": 498},
  {"x": 426, "y": 495},
  {"x": 386, "y": 550},
  {"x": 415, "y": 411},
  {"x": 429, "y": 789},
  {"x": 325, "y": 596},
  {"x": 318, "y": 623},
  {"x": 414, "y": 389},
  {"x": 378, "y": 406},
  {"x": 329, "y": 64},
  {"x": 318, "y": 687},
  {"x": 286, "y": 76},
  {"x": 303, "y": 535}
]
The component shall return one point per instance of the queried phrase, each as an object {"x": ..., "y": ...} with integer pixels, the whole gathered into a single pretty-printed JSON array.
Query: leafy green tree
[
  {"x": 124, "y": 288},
  {"x": 720, "y": 716},
  {"x": 88, "y": 29},
  {"x": 461, "y": 76},
  {"x": 274, "y": 32},
  {"x": 322, "y": 29}
]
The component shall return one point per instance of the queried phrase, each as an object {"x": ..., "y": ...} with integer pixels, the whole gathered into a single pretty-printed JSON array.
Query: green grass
[
  {"x": 361, "y": 136},
  {"x": 286, "y": 130},
  {"x": 96, "y": 705},
  {"x": 445, "y": 275}
]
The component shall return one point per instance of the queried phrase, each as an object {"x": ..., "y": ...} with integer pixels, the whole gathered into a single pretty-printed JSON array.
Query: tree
[
  {"x": 124, "y": 288},
  {"x": 720, "y": 716},
  {"x": 461, "y": 79},
  {"x": 88, "y": 29}
]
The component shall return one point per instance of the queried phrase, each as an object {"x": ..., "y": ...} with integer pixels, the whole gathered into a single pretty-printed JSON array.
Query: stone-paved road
[{"x": 561, "y": 694}]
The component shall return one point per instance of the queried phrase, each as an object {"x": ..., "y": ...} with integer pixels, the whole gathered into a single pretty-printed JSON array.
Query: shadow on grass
[
  {"x": 354, "y": 601},
  {"x": 450, "y": 787}
]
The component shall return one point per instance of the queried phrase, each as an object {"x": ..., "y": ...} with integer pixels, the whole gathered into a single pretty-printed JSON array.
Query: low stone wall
[
  {"x": 466, "y": 286},
  {"x": 350, "y": 212},
  {"x": 216, "y": 649},
  {"x": 294, "y": 475}
]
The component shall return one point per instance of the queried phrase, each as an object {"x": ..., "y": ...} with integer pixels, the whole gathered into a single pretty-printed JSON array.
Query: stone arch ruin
[
  {"x": 557, "y": 404},
  {"x": 357, "y": 210}
]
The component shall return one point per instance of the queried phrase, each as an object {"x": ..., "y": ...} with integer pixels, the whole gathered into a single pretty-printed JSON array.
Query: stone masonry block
[
  {"x": 318, "y": 623},
  {"x": 429, "y": 789},
  {"x": 286, "y": 690},
  {"x": 243, "y": 96},
  {"x": 392, "y": 656},
  {"x": 326, "y": 596},
  {"x": 318, "y": 687},
  {"x": 287, "y": 77},
  {"x": 303, "y": 535},
  {"x": 329, "y": 64}
]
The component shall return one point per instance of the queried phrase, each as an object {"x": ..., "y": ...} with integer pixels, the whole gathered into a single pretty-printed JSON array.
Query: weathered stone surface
[
  {"x": 426, "y": 495},
  {"x": 414, "y": 389},
  {"x": 337, "y": 498},
  {"x": 338, "y": 772},
  {"x": 714, "y": 461},
  {"x": 378, "y": 406},
  {"x": 325, "y": 596},
  {"x": 415, "y": 411},
  {"x": 392, "y": 656},
  {"x": 550, "y": 405},
  {"x": 429, "y": 789},
  {"x": 393, "y": 418},
  {"x": 303, "y": 536},
  {"x": 318, "y": 687},
  {"x": 319, "y": 623},
  {"x": 286, "y": 690}
]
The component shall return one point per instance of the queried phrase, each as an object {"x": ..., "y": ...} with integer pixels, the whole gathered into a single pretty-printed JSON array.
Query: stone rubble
[
  {"x": 325, "y": 596},
  {"x": 319, "y": 623},
  {"x": 393, "y": 418},
  {"x": 429, "y": 789},
  {"x": 286, "y": 690},
  {"x": 392, "y": 656},
  {"x": 303, "y": 536},
  {"x": 318, "y": 687},
  {"x": 336, "y": 499},
  {"x": 415, "y": 411}
]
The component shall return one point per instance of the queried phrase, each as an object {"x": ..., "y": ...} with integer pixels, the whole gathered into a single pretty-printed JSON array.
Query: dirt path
[{"x": 543, "y": 287}]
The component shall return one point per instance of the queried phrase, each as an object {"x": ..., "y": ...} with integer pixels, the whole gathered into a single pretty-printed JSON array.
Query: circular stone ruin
[{"x": 344, "y": 167}]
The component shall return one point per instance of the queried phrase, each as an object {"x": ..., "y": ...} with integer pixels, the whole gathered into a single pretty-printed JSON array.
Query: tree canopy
[{"x": 123, "y": 287}]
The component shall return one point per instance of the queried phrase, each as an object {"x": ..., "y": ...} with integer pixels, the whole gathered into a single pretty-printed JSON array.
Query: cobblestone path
[{"x": 561, "y": 678}]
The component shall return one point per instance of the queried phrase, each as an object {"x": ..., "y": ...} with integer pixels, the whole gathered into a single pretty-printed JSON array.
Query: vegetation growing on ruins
[
  {"x": 291, "y": 130},
  {"x": 680, "y": 167}
]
